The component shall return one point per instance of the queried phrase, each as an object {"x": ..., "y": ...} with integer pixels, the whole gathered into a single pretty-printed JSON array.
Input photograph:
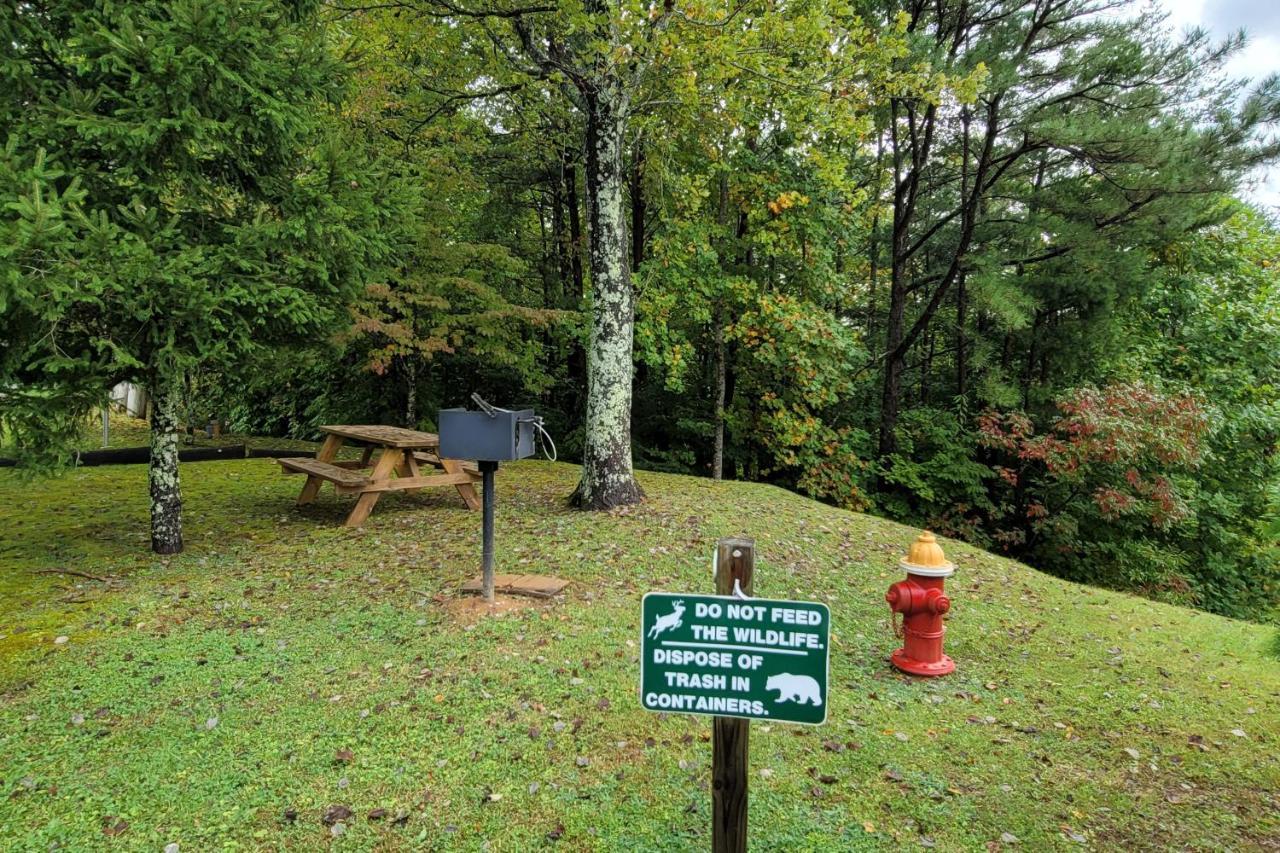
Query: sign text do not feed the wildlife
[{"x": 732, "y": 657}]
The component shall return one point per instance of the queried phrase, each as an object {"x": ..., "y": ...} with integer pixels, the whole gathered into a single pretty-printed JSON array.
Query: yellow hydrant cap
[{"x": 925, "y": 557}]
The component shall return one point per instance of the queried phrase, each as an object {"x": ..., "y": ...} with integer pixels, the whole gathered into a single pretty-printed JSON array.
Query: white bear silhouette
[{"x": 800, "y": 689}]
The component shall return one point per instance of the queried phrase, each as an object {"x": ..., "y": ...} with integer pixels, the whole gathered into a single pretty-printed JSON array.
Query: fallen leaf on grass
[
  {"x": 1132, "y": 753},
  {"x": 335, "y": 813},
  {"x": 377, "y": 814},
  {"x": 344, "y": 756},
  {"x": 113, "y": 826},
  {"x": 554, "y": 835}
]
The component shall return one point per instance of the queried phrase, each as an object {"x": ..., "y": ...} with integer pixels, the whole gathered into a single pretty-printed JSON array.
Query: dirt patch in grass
[{"x": 470, "y": 609}]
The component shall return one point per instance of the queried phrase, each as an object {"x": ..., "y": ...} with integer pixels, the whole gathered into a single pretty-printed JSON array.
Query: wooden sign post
[
  {"x": 735, "y": 658},
  {"x": 730, "y": 760}
]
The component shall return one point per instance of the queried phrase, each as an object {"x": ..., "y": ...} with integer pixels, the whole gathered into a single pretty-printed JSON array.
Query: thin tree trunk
[
  {"x": 720, "y": 368},
  {"x": 926, "y": 369},
  {"x": 895, "y": 357},
  {"x": 962, "y": 366},
  {"x": 575, "y": 228},
  {"x": 559, "y": 226},
  {"x": 717, "y": 456},
  {"x": 639, "y": 210},
  {"x": 411, "y": 392},
  {"x": 873, "y": 250},
  {"x": 1028, "y": 369},
  {"x": 607, "y": 477},
  {"x": 166, "y": 497}
]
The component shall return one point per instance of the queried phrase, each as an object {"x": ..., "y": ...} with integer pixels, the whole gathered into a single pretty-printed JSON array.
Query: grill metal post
[{"x": 487, "y": 469}]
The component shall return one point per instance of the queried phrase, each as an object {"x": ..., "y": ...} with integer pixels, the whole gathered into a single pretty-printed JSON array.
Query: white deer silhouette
[{"x": 669, "y": 622}]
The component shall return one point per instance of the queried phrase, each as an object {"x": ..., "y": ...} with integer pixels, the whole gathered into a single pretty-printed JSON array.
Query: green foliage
[
  {"x": 936, "y": 477},
  {"x": 180, "y": 195}
]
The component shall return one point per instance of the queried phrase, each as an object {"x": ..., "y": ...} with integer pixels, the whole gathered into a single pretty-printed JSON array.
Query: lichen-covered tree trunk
[
  {"x": 607, "y": 477},
  {"x": 166, "y": 498}
]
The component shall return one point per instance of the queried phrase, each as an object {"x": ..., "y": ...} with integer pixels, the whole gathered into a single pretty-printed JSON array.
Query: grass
[{"x": 283, "y": 665}]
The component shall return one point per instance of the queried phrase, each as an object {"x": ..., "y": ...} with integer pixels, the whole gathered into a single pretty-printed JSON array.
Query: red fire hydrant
[{"x": 921, "y": 602}]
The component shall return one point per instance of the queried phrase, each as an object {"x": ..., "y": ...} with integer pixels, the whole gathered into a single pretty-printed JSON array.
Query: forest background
[{"x": 977, "y": 266}]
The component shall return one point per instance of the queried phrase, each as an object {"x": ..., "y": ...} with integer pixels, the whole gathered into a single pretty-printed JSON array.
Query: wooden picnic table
[{"x": 397, "y": 468}]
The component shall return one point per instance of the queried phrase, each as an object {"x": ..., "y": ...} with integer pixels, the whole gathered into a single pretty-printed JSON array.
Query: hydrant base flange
[{"x": 911, "y": 666}]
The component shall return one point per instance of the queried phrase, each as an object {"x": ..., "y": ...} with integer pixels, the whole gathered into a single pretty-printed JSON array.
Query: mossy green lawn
[{"x": 228, "y": 697}]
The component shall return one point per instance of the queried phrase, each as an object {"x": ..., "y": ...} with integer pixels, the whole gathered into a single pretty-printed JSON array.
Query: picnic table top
[{"x": 385, "y": 436}]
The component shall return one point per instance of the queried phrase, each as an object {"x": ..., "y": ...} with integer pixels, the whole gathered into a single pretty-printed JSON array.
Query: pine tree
[
  {"x": 1092, "y": 134},
  {"x": 175, "y": 194}
]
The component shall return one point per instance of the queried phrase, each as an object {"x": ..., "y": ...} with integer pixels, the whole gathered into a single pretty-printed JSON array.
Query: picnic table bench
[{"x": 396, "y": 469}]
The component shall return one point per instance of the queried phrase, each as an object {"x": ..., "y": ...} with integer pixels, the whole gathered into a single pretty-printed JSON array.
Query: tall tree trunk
[
  {"x": 638, "y": 207},
  {"x": 166, "y": 497},
  {"x": 607, "y": 477},
  {"x": 717, "y": 456},
  {"x": 575, "y": 227},
  {"x": 895, "y": 358}
]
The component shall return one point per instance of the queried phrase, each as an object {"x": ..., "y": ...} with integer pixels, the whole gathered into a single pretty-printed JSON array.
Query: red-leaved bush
[{"x": 1105, "y": 466}]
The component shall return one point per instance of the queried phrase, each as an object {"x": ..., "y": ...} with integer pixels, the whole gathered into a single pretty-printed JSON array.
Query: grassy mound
[{"x": 288, "y": 683}]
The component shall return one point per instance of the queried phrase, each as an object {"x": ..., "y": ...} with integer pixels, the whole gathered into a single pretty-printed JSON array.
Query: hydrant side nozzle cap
[{"x": 925, "y": 557}]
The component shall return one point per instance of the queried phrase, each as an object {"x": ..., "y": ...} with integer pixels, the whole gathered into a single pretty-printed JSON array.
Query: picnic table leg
[
  {"x": 366, "y": 456},
  {"x": 466, "y": 490},
  {"x": 328, "y": 450},
  {"x": 409, "y": 468},
  {"x": 390, "y": 459}
]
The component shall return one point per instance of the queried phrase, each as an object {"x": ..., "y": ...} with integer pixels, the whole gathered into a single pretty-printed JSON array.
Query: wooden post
[{"x": 730, "y": 764}]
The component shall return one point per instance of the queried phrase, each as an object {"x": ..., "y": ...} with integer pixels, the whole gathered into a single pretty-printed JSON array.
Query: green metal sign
[{"x": 735, "y": 657}]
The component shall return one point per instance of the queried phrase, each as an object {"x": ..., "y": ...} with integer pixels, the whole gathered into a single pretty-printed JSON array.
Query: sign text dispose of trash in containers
[{"x": 735, "y": 657}]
